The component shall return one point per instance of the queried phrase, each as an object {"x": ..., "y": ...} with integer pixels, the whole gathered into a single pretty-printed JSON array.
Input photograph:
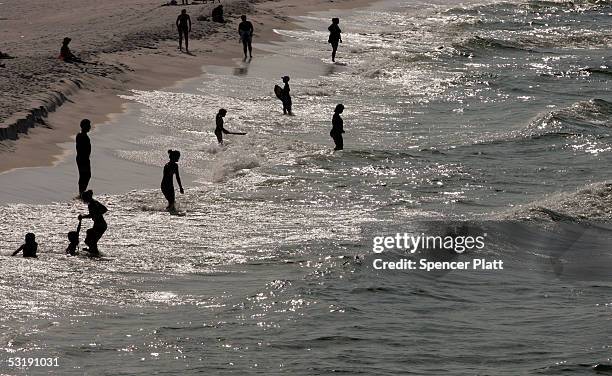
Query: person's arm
[
  {"x": 18, "y": 250},
  {"x": 177, "y": 22},
  {"x": 178, "y": 180},
  {"x": 252, "y": 31},
  {"x": 78, "y": 227},
  {"x": 189, "y": 20}
]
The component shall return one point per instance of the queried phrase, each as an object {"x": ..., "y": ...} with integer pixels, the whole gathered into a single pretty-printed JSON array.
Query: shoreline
[{"x": 48, "y": 126}]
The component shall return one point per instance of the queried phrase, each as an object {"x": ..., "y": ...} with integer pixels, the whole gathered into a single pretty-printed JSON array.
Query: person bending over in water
[
  {"x": 286, "y": 97},
  {"x": 220, "y": 130},
  {"x": 29, "y": 248},
  {"x": 335, "y": 36},
  {"x": 337, "y": 128},
  {"x": 73, "y": 238},
  {"x": 183, "y": 24},
  {"x": 96, "y": 213},
  {"x": 83, "y": 151},
  {"x": 245, "y": 30},
  {"x": 167, "y": 184}
]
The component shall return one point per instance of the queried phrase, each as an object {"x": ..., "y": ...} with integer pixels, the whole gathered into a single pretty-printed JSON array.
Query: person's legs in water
[
  {"x": 84, "y": 174},
  {"x": 250, "y": 49},
  {"x": 287, "y": 106},
  {"x": 338, "y": 141},
  {"x": 170, "y": 197},
  {"x": 334, "y": 49},
  {"x": 244, "y": 47},
  {"x": 97, "y": 232},
  {"x": 91, "y": 242},
  {"x": 219, "y": 137}
]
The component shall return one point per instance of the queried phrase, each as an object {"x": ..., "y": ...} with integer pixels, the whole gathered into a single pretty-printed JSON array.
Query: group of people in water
[{"x": 97, "y": 210}]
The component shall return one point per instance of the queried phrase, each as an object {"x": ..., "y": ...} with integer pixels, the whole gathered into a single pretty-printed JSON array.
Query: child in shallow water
[
  {"x": 29, "y": 248},
  {"x": 73, "y": 238}
]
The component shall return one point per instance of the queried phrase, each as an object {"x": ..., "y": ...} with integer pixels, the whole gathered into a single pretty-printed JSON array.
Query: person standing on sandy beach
[
  {"x": 335, "y": 36},
  {"x": 167, "y": 183},
  {"x": 183, "y": 24},
  {"x": 83, "y": 152},
  {"x": 338, "y": 127},
  {"x": 245, "y": 30},
  {"x": 96, "y": 213}
]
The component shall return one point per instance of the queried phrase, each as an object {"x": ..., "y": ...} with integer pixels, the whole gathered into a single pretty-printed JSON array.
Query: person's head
[
  {"x": 184, "y": 11},
  {"x": 339, "y": 108},
  {"x": 73, "y": 237},
  {"x": 222, "y": 112},
  {"x": 66, "y": 41},
  {"x": 174, "y": 155},
  {"x": 85, "y": 125},
  {"x": 335, "y": 20},
  {"x": 285, "y": 79},
  {"x": 30, "y": 238},
  {"x": 243, "y": 17},
  {"x": 87, "y": 196}
]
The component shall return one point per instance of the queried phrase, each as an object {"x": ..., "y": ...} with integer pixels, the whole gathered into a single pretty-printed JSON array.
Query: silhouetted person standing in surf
[
  {"x": 96, "y": 213},
  {"x": 286, "y": 97},
  {"x": 183, "y": 24},
  {"x": 83, "y": 151},
  {"x": 337, "y": 128},
  {"x": 220, "y": 130},
  {"x": 167, "y": 185},
  {"x": 335, "y": 36},
  {"x": 245, "y": 30}
]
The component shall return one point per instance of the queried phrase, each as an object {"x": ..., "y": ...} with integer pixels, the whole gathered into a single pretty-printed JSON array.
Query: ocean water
[{"x": 465, "y": 117}]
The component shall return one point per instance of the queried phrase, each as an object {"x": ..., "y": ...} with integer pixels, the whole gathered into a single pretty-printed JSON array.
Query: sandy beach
[{"x": 131, "y": 45}]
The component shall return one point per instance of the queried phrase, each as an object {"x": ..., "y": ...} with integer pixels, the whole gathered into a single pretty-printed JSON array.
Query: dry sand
[{"x": 133, "y": 45}]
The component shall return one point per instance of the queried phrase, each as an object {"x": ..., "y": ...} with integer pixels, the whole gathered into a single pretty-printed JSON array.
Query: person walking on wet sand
[
  {"x": 167, "y": 183},
  {"x": 337, "y": 128},
  {"x": 220, "y": 130},
  {"x": 96, "y": 213},
  {"x": 83, "y": 151},
  {"x": 183, "y": 25},
  {"x": 335, "y": 36},
  {"x": 245, "y": 30}
]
